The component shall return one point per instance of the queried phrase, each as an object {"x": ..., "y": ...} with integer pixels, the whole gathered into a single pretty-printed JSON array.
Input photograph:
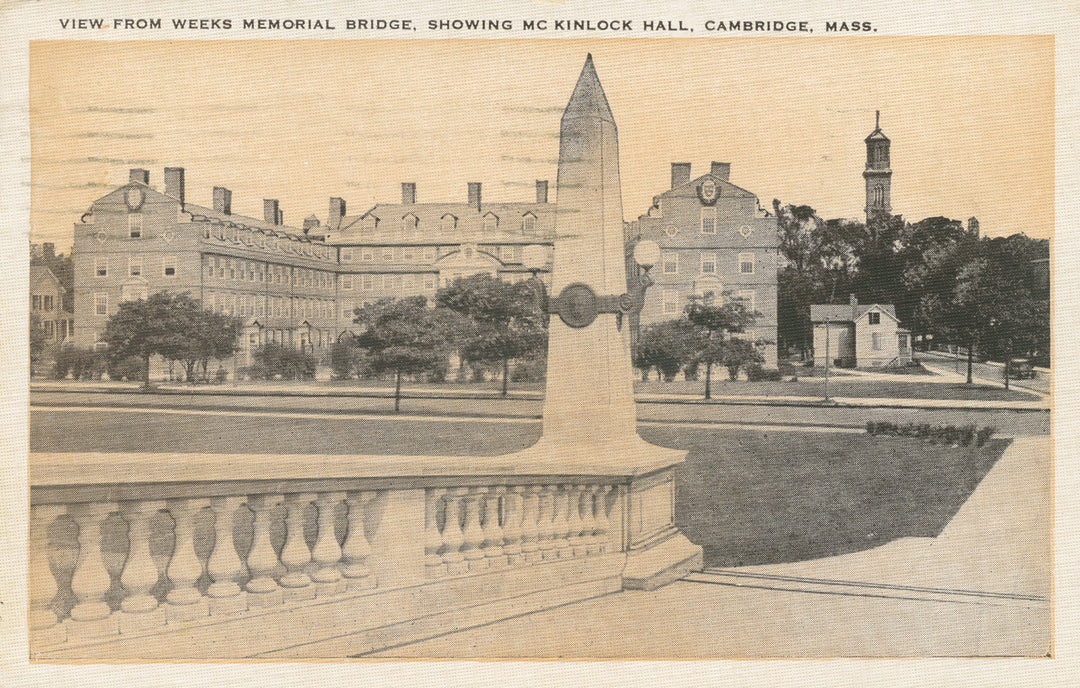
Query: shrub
[
  {"x": 344, "y": 358},
  {"x": 951, "y": 435},
  {"x": 221, "y": 375},
  {"x": 755, "y": 373},
  {"x": 529, "y": 371},
  {"x": 129, "y": 368},
  {"x": 81, "y": 364},
  {"x": 273, "y": 361}
]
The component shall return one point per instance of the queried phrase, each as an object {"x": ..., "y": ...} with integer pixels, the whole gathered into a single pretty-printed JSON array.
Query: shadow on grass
[{"x": 753, "y": 497}]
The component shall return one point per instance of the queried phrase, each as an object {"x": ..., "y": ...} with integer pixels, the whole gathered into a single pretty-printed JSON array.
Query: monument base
[{"x": 660, "y": 564}]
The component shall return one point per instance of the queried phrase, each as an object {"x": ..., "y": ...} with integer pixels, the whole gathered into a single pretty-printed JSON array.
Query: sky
[{"x": 970, "y": 119}]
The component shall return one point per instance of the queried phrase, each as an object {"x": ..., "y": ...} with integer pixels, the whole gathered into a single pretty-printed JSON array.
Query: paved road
[
  {"x": 982, "y": 372},
  {"x": 61, "y": 422}
]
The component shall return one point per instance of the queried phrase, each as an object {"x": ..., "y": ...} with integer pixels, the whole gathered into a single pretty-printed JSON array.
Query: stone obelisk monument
[
  {"x": 589, "y": 412},
  {"x": 590, "y": 396}
]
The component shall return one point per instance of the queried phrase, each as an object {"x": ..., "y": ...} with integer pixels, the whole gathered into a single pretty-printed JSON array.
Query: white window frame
[
  {"x": 346, "y": 283},
  {"x": 101, "y": 304},
  {"x": 506, "y": 254},
  {"x": 748, "y": 297},
  {"x": 388, "y": 254},
  {"x": 745, "y": 259},
  {"x": 710, "y": 215},
  {"x": 346, "y": 255},
  {"x": 708, "y": 258},
  {"x": 135, "y": 225},
  {"x": 671, "y": 302},
  {"x": 670, "y": 262},
  {"x": 528, "y": 223},
  {"x": 875, "y": 341},
  {"x": 409, "y": 223},
  {"x": 430, "y": 282},
  {"x": 134, "y": 266},
  {"x": 430, "y": 253},
  {"x": 408, "y": 253},
  {"x": 101, "y": 267},
  {"x": 367, "y": 282},
  {"x": 491, "y": 222},
  {"x": 367, "y": 253}
]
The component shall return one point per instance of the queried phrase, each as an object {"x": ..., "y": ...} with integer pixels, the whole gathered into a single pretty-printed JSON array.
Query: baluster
[
  {"x": 452, "y": 537},
  {"x": 493, "y": 532},
  {"x": 327, "y": 551},
  {"x": 91, "y": 616},
  {"x": 44, "y": 627},
  {"x": 545, "y": 522},
  {"x": 530, "y": 544},
  {"x": 433, "y": 563},
  {"x": 139, "y": 609},
  {"x": 262, "y": 560},
  {"x": 474, "y": 535},
  {"x": 356, "y": 550},
  {"x": 185, "y": 602},
  {"x": 225, "y": 567},
  {"x": 603, "y": 524},
  {"x": 588, "y": 521},
  {"x": 512, "y": 525},
  {"x": 295, "y": 554},
  {"x": 580, "y": 549},
  {"x": 561, "y": 528}
]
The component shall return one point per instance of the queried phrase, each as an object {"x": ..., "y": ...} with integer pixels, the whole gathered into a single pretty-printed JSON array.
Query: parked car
[{"x": 1020, "y": 369}]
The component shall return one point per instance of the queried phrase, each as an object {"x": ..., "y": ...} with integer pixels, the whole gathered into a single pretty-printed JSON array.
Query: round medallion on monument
[{"x": 578, "y": 306}]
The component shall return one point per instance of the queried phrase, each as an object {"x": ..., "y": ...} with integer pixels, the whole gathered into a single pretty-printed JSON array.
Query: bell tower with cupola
[{"x": 878, "y": 174}]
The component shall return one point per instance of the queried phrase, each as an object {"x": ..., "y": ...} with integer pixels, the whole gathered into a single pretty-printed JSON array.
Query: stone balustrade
[
  {"x": 129, "y": 566},
  {"x": 158, "y": 556}
]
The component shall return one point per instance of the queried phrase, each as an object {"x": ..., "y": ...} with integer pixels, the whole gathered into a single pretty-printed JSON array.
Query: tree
[
  {"x": 713, "y": 325},
  {"x": 503, "y": 321},
  {"x": 174, "y": 326},
  {"x": 666, "y": 346},
  {"x": 403, "y": 336},
  {"x": 38, "y": 340}
]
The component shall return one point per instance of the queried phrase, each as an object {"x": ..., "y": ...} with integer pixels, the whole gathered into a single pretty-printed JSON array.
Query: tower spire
[{"x": 877, "y": 120}]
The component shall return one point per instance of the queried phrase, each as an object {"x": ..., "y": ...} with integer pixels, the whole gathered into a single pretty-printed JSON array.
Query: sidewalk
[
  {"x": 321, "y": 390},
  {"x": 981, "y": 588}
]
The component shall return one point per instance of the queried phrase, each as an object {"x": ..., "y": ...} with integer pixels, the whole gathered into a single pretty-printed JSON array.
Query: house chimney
[
  {"x": 721, "y": 170},
  {"x": 222, "y": 200},
  {"x": 408, "y": 193},
  {"x": 280, "y": 217},
  {"x": 854, "y": 306},
  {"x": 310, "y": 223},
  {"x": 271, "y": 213},
  {"x": 138, "y": 175},
  {"x": 337, "y": 211},
  {"x": 680, "y": 173},
  {"x": 474, "y": 195},
  {"x": 541, "y": 191},
  {"x": 174, "y": 183}
]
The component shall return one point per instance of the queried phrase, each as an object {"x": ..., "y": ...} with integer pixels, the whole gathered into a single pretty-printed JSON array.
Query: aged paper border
[{"x": 24, "y": 21}]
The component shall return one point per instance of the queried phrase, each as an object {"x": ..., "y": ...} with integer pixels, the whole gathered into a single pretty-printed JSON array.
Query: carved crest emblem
[
  {"x": 167, "y": 236},
  {"x": 708, "y": 192},
  {"x": 134, "y": 197}
]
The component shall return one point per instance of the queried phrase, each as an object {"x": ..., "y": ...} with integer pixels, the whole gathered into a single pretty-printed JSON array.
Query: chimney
[
  {"x": 854, "y": 306},
  {"x": 474, "y": 195},
  {"x": 270, "y": 210},
  {"x": 310, "y": 223},
  {"x": 222, "y": 200},
  {"x": 138, "y": 175},
  {"x": 280, "y": 217},
  {"x": 680, "y": 173},
  {"x": 541, "y": 191},
  {"x": 337, "y": 211},
  {"x": 408, "y": 193},
  {"x": 721, "y": 170},
  {"x": 174, "y": 183},
  {"x": 48, "y": 251}
]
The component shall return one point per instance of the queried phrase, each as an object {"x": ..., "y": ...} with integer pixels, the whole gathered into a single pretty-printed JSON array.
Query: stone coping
[{"x": 64, "y": 476}]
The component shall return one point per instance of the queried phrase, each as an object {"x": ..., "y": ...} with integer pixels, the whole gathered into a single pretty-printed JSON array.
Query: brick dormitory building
[{"x": 296, "y": 286}]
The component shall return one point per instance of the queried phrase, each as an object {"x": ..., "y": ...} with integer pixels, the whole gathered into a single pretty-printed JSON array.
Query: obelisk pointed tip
[{"x": 588, "y": 99}]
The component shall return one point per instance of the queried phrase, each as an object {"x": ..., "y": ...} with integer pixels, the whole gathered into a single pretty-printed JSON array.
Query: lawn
[
  {"x": 752, "y": 497},
  {"x": 839, "y": 387}
]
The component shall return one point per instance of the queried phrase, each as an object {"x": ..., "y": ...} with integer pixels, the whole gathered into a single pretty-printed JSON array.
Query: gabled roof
[
  {"x": 837, "y": 312},
  {"x": 390, "y": 215},
  {"x": 726, "y": 187}
]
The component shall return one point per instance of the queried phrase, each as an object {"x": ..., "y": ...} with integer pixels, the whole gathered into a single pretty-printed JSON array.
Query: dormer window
[
  {"x": 409, "y": 223},
  {"x": 491, "y": 222},
  {"x": 528, "y": 223},
  {"x": 448, "y": 223}
]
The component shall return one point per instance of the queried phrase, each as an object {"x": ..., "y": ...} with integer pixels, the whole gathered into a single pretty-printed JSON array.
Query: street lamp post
[{"x": 827, "y": 361}]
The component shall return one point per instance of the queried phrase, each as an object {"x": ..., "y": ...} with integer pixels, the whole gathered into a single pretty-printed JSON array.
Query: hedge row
[{"x": 963, "y": 435}]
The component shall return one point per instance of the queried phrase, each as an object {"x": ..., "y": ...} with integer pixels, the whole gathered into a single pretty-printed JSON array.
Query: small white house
[{"x": 859, "y": 336}]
